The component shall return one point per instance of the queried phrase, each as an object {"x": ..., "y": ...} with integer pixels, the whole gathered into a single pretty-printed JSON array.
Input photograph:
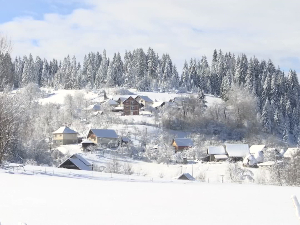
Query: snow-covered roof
[
  {"x": 250, "y": 160},
  {"x": 125, "y": 139},
  {"x": 182, "y": 142},
  {"x": 87, "y": 142},
  {"x": 123, "y": 97},
  {"x": 157, "y": 104},
  {"x": 80, "y": 162},
  {"x": 216, "y": 150},
  {"x": 145, "y": 98},
  {"x": 95, "y": 107},
  {"x": 105, "y": 133},
  {"x": 237, "y": 150},
  {"x": 290, "y": 152},
  {"x": 256, "y": 148},
  {"x": 268, "y": 163},
  {"x": 65, "y": 130},
  {"x": 111, "y": 102},
  {"x": 186, "y": 176},
  {"x": 221, "y": 156}
]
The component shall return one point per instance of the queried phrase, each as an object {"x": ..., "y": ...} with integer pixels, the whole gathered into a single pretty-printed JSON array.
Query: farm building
[
  {"x": 64, "y": 136},
  {"x": 217, "y": 153},
  {"x": 104, "y": 137},
  {"x": 181, "y": 144},
  {"x": 237, "y": 151},
  {"x": 76, "y": 162}
]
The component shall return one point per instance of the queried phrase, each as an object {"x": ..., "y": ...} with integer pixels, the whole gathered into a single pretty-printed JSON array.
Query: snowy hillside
[
  {"x": 79, "y": 198},
  {"x": 57, "y": 96}
]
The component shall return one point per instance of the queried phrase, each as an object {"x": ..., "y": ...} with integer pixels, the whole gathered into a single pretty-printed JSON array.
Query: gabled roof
[
  {"x": 256, "y": 148},
  {"x": 182, "y": 142},
  {"x": 216, "y": 150},
  {"x": 186, "y": 176},
  {"x": 105, "y": 133},
  {"x": 111, "y": 102},
  {"x": 157, "y": 104},
  {"x": 80, "y": 162},
  {"x": 65, "y": 130},
  {"x": 290, "y": 152},
  {"x": 145, "y": 98},
  {"x": 122, "y": 98},
  {"x": 237, "y": 150}
]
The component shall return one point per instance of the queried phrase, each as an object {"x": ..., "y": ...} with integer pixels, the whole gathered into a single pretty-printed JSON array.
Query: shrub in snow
[
  {"x": 127, "y": 169},
  {"x": 114, "y": 166},
  {"x": 236, "y": 173}
]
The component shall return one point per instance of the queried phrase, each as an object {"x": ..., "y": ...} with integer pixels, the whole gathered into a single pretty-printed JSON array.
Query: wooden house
[
  {"x": 131, "y": 106},
  {"x": 104, "y": 137},
  {"x": 181, "y": 144},
  {"x": 64, "y": 136}
]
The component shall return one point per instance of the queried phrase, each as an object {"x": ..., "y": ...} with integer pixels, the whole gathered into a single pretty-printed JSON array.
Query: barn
[{"x": 76, "y": 162}]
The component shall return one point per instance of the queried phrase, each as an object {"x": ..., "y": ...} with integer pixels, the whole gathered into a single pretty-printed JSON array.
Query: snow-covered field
[{"x": 81, "y": 197}]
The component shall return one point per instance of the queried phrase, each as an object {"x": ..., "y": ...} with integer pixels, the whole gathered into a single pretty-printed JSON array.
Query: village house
[
  {"x": 144, "y": 101},
  {"x": 290, "y": 153},
  {"x": 76, "y": 162},
  {"x": 181, "y": 144},
  {"x": 65, "y": 136},
  {"x": 131, "y": 106},
  {"x": 104, "y": 137},
  {"x": 237, "y": 151},
  {"x": 217, "y": 153}
]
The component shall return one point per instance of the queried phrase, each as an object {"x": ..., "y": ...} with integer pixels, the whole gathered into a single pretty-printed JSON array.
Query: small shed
[
  {"x": 216, "y": 153},
  {"x": 237, "y": 151},
  {"x": 76, "y": 162},
  {"x": 186, "y": 176},
  {"x": 181, "y": 144},
  {"x": 87, "y": 143}
]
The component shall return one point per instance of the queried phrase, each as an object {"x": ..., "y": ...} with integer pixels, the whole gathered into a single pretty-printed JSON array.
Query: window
[
  {"x": 132, "y": 107},
  {"x": 132, "y": 102}
]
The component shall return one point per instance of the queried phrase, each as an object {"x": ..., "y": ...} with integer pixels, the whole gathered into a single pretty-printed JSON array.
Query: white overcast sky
[{"x": 268, "y": 29}]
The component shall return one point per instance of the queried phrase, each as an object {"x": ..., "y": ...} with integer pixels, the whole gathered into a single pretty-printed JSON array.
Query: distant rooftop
[
  {"x": 65, "y": 130},
  {"x": 105, "y": 133},
  {"x": 182, "y": 142}
]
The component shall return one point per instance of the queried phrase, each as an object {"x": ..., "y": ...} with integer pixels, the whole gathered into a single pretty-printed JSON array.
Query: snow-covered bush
[{"x": 236, "y": 173}]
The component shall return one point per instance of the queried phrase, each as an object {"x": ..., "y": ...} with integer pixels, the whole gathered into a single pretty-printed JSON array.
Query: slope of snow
[{"x": 90, "y": 198}]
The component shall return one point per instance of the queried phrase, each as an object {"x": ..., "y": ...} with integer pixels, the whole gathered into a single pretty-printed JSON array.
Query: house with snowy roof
[
  {"x": 77, "y": 162},
  {"x": 181, "y": 144},
  {"x": 217, "y": 153},
  {"x": 65, "y": 136},
  {"x": 104, "y": 137},
  {"x": 237, "y": 151},
  {"x": 290, "y": 152},
  {"x": 144, "y": 101}
]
